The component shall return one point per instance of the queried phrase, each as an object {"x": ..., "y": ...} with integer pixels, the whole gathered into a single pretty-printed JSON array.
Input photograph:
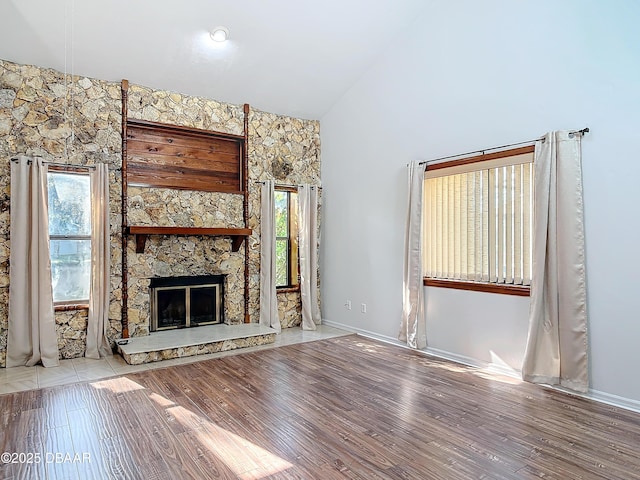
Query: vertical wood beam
[
  {"x": 245, "y": 177},
  {"x": 125, "y": 273}
]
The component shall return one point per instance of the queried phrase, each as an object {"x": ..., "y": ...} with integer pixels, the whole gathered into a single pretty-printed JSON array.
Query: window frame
[
  {"x": 472, "y": 285},
  {"x": 293, "y": 258},
  {"x": 75, "y": 304}
]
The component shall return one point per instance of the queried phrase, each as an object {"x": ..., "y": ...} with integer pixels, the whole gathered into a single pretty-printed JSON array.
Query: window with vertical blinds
[{"x": 478, "y": 218}]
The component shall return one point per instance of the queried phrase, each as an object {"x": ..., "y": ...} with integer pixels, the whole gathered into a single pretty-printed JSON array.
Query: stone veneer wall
[
  {"x": 286, "y": 150},
  {"x": 72, "y": 120},
  {"x": 78, "y": 121},
  {"x": 170, "y": 255}
]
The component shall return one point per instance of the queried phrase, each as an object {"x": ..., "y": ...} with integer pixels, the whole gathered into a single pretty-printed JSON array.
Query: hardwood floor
[{"x": 346, "y": 407}]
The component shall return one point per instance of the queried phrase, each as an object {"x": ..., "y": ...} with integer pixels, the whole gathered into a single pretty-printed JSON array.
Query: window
[
  {"x": 70, "y": 236},
  {"x": 478, "y": 220},
  {"x": 286, "y": 201}
]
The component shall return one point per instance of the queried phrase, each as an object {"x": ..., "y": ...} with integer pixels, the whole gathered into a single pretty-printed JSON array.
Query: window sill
[
  {"x": 70, "y": 307},
  {"x": 288, "y": 289},
  {"x": 479, "y": 287}
]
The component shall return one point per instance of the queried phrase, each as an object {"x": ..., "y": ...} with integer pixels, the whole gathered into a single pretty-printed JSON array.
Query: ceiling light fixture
[{"x": 219, "y": 34}]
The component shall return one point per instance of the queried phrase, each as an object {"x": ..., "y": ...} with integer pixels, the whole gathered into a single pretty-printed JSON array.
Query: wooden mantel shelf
[{"x": 141, "y": 232}]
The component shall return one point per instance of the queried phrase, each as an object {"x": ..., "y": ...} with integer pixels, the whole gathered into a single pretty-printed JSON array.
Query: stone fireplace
[{"x": 183, "y": 302}]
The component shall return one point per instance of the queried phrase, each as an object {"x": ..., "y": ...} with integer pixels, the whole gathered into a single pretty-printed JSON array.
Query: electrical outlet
[
  {"x": 363, "y": 307},
  {"x": 348, "y": 305}
]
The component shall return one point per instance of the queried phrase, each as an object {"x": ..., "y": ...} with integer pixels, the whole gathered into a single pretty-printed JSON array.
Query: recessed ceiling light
[{"x": 219, "y": 34}]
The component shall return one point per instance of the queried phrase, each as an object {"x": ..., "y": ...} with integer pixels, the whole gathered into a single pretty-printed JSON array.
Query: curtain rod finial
[{"x": 579, "y": 132}]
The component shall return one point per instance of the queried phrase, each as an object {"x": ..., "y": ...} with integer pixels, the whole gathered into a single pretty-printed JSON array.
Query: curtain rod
[
  {"x": 528, "y": 142},
  {"x": 63, "y": 165},
  {"x": 288, "y": 186}
]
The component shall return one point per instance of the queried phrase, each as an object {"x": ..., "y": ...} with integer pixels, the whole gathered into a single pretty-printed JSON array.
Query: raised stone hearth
[{"x": 187, "y": 342}]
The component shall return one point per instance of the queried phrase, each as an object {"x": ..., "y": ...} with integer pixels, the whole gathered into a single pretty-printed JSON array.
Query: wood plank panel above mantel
[
  {"x": 142, "y": 232},
  {"x": 171, "y": 156}
]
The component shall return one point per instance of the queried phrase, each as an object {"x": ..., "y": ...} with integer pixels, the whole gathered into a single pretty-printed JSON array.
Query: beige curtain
[
  {"x": 556, "y": 352},
  {"x": 32, "y": 334},
  {"x": 413, "y": 326},
  {"x": 268, "y": 299},
  {"x": 308, "y": 235},
  {"x": 97, "y": 343}
]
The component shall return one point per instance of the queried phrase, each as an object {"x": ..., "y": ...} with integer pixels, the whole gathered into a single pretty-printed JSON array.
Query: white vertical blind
[
  {"x": 463, "y": 228},
  {"x": 509, "y": 247},
  {"x": 457, "y": 219},
  {"x": 517, "y": 227},
  {"x": 478, "y": 222},
  {"x": 527, "y": 223},
  {"x": 443, "y": 201},
  {"x": 493, "y": 225},
  {"x": 484, "y": 246}
]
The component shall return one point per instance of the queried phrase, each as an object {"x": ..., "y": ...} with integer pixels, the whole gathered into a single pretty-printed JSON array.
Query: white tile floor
[{"x": 17, "y": 379}]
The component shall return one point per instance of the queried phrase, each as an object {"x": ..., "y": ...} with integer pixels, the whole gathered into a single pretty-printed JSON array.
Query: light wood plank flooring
[{"x": 346, "y": 407}]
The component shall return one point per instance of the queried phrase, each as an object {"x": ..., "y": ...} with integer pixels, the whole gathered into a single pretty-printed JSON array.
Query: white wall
[{"x": 469, "y": 75}]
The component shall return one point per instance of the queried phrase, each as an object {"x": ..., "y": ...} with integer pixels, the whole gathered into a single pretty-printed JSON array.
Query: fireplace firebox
[{"x": 182, "y": 302}]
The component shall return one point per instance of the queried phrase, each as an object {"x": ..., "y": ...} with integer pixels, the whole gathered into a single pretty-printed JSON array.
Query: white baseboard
[
  {"x": 471, "y": 362},
  {"x": 596, "y": 395},
  {"x": 615, "y": 400},
  {"x": 364, "y": 333}
]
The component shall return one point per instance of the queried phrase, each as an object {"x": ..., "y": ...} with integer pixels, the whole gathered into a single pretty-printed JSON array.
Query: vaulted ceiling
[{"x": 292, "y": 57}]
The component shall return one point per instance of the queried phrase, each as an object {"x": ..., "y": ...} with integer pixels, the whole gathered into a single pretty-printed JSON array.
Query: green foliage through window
[
  {"x": 286, "y": 213},
  {"x": 69, "y": 210}
]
